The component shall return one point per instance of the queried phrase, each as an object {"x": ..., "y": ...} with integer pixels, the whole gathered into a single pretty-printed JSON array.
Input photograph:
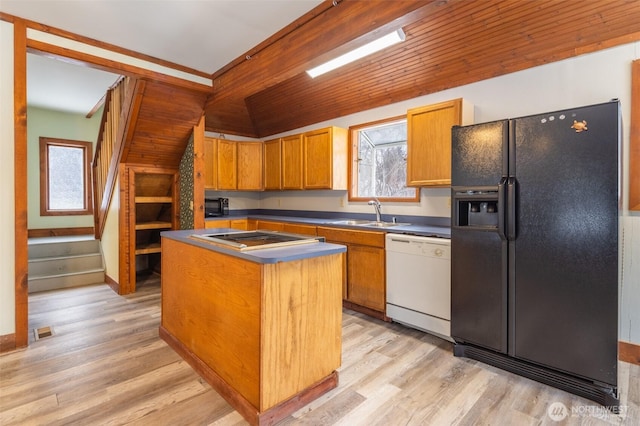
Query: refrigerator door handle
[
  {"x": 502, "y": 198},
  {"x": 511, "y": 209}
]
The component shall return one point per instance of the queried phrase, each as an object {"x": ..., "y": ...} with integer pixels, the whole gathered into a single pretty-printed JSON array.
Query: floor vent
[{"x": 42, "y": 332}]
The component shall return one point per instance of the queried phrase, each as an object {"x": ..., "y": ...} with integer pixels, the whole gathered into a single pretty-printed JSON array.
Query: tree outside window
[
  {"x": 379, "y": 162},
  {"x": 65, "y": 177}
]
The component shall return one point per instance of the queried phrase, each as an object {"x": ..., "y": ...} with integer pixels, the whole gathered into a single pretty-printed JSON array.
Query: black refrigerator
[{"x": 534, "y": 247}]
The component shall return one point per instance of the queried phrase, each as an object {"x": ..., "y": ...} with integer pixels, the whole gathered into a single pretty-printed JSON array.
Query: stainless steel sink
[
  {"x": 350, "y": 222},
  {"x": 369, "y": 223},
  {"x": 384, "y": 224}
]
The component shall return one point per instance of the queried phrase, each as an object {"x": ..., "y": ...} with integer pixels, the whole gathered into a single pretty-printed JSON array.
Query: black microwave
[{"x": 216, "y": 207}]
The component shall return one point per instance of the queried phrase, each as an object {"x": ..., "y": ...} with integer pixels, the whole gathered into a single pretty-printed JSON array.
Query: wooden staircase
[{"x": 62, "y": 262}]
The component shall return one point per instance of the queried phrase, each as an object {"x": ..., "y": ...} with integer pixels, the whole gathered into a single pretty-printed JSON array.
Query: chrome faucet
[{"x": 376, "y": 205}]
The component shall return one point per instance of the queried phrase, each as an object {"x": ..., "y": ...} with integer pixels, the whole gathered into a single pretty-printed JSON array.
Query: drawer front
[{"x": 366, "y": 238}]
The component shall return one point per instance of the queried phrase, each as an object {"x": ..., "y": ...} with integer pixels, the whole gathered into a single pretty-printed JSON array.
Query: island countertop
[{"x": 263, "y": 256}]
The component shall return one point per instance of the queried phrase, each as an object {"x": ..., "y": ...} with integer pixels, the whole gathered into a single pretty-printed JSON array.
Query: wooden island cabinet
[{"x": 264, "y": 329}]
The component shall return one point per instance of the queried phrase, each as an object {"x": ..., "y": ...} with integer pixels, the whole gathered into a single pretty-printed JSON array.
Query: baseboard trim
[
  {"x": 7, "y": 342},
  {"x": 115, "y": 286},
  {"x": 629, "y": 352},
  {"x": 59, "y": 232},
  {"x": 364, "y": 310},
  {"x": 250, "y": 413}
]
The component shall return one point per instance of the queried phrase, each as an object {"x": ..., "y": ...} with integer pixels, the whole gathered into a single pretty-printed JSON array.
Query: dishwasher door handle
[{"x": 395, "y": 240}]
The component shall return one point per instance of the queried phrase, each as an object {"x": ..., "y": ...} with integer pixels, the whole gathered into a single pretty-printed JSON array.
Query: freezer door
[
  {"x": 478, "y": 288},
  {"x": 478, "y": 247},
  {"x": 564, "y": 291},
  {"x": 479, "y": 154}
]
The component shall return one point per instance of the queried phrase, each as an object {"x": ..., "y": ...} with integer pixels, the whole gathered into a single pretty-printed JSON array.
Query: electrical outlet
[
  {"x": 278, "y": 202},
  {"x": 449, "y": 201},
  {"x": 341, "y": 201}
]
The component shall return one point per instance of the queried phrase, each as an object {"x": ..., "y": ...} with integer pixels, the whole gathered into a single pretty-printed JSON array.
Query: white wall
[
  {"x": 62, "y": 125},
  {"x": 110, "y": 242},
  {"x": 7, "y": 194}
]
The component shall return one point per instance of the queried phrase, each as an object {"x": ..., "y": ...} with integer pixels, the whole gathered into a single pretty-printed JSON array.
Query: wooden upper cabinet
[
  {"x": 226, "y": 164},
  {"x": 232, "y": 165},
  {"x": 429, "y": 141},
  {"x": 249, "y": 166},
  {"x": 291, "y": 161},
  {"x": 210, "y": 147},
  {"x": 325, "y": 158},
  {"x": 272, "y": 165}
]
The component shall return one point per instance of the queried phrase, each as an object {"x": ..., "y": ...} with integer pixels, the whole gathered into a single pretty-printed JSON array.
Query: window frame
[
  {"x": 87, "y": 148},
  {"x": 353, "y": 167}
]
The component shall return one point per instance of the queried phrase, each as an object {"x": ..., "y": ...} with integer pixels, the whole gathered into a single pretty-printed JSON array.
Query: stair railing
[{"x": 119, "y": 102}]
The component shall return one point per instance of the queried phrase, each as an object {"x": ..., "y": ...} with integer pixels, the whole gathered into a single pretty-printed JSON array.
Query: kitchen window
[
  {"x": 378, "y": 161},
  {"x": 65, "y": 177}
]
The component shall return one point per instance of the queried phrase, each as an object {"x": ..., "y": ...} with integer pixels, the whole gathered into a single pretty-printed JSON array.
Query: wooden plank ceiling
[
  {"x": 448, "y": 43},
  {"x": 163, "y": 124}
]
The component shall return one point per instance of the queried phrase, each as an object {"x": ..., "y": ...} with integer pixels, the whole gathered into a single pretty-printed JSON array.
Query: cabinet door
[
  {"x": 318, "y": 159},
  {"x": 366, "y": 276},
  {"x": 292, "y": 162},
  {"x": 249, "y": 171},
  {"x": 270, "y": 226},
  {"x": 271, "y": 165},
  {"x": 217, "y": 223},
  {"x": 300, "y": 228},
  {"x": 429, "y": 143},
  {"x": 210, "y": 163},
  {"x": 239, "y": 224},
  {"x": 226, "y": 164}
]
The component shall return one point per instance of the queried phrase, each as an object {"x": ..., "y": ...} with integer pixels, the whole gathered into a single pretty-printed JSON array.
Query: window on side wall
[
  {"x": 378, "y": 166},
  {"x": 65, "y": 177}
]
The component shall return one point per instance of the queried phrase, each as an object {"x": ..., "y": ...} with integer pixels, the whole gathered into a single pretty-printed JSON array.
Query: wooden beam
[
  {"x": 97, "y": 106},
  {"x": 336, "y": 30},
  {"x": 634, "y": 139},
  {"x": 20, "y": 159},
  {"x": 85, "y": 59},
  {"x": 198, "y": 174}
]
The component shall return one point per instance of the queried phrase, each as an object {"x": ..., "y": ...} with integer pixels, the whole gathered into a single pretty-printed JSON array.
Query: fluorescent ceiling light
[{"x": 362, "y": 51}]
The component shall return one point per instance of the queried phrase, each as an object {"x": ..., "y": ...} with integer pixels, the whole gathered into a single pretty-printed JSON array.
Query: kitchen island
[{"x": 263, "y": 327}]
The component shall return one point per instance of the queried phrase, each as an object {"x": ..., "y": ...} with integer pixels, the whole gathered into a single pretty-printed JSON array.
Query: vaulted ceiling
[{"x": 448, "y": 43}]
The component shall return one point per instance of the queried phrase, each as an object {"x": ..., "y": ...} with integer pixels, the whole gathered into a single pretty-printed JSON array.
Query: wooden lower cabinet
[
  {"x": 269, "y": 225},
  {"x": 226, "y": 223},
  {"x": 366, "y": 276},
  {"x": 364, "y": 282},
  {"x": 293, "y": 228},
  {"x": 299, "y": 228}
]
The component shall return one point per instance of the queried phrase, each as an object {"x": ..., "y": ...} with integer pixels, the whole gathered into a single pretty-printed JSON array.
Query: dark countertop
[
  {"x": 268, "y": 255},
  {"x": 425, "y": 230}
]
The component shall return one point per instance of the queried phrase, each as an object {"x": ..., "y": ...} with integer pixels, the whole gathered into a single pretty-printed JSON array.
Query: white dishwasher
[{"x": 419, "y": 282}]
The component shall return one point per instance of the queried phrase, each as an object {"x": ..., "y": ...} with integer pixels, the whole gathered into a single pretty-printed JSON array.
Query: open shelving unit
[{"x": 152, "y": 195}]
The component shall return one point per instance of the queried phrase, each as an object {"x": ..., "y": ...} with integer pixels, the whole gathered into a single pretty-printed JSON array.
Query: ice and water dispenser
[{"x": 476, "y": 208}]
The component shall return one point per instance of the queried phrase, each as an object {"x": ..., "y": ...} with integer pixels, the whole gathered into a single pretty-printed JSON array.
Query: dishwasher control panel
[{"x": 424, "y": 246}]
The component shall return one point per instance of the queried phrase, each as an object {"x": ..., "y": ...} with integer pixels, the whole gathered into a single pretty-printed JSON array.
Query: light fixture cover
[{"x": 376, "y": 45}]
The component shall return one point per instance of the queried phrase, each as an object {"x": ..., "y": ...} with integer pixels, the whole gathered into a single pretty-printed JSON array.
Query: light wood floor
[{"x": 106, "y": 365}]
